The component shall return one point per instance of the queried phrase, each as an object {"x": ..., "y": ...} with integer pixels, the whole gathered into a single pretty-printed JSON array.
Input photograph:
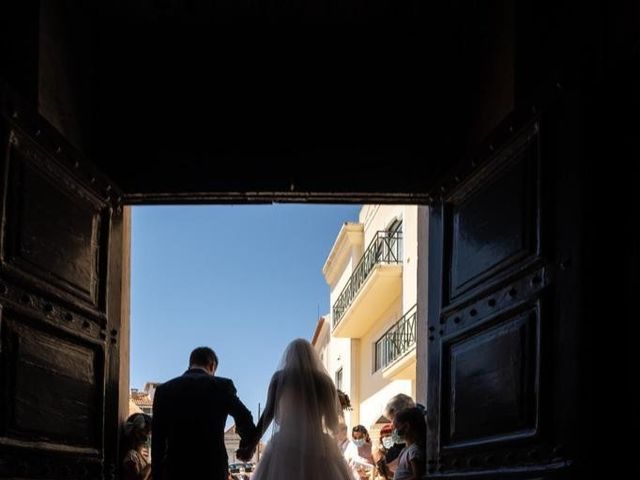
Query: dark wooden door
[
  {"x": 60, "y": 288},
  {"x": 502, "y": 314}
]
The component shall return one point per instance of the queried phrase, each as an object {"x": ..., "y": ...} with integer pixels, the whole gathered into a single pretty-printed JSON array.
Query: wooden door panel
[
  {"x": 54, "y": 232},
  {"x": 60, "y": 285},
  {"x": 491, "y": 320},
  {"x": 492, "y": 369},
  {"x": 491, "y": 222},
  {"x": 57, "y": 384}
]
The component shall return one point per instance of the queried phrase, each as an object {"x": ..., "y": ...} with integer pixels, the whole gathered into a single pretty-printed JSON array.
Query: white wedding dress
[{"x": 303, "y": 404}]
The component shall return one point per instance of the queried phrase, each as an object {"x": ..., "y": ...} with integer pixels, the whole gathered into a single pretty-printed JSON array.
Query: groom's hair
[{"x": 203, "y": 357}]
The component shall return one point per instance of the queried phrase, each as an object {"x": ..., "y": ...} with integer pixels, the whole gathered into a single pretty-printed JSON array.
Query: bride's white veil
[{"x": 303, "y": 404}]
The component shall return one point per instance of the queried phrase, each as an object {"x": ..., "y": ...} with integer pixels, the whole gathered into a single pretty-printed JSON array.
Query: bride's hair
[{"x": 300, "y": 354}]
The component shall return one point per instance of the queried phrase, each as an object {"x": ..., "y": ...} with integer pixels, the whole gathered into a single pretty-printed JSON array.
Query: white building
[{"x": 367, "y": 342}]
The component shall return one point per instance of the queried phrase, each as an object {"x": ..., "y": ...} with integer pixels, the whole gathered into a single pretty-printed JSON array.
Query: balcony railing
[
  {"x": 386, "y": 247},
  {"x": 398, "y": 340}
]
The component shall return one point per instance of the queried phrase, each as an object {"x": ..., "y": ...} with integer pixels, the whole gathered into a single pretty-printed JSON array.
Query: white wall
[
  {"x": 373, "y": 407},
  {"x": 370, "y": 381},
  {"x": 341, "y": 357},
  {"x": 355, "y": 254},
  {"x": 369, "y": 392},
  {"x": 378, "y": 217},
  {"x": 322, "y": 344},
  {"x": 410, "y": 260},
  {"x": 375, "y": 391},
  {"x": 335, "y": 354},
  {"x": 334, "y": 292}
]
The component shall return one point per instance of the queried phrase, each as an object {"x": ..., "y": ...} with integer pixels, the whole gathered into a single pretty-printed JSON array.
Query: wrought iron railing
[
  {"x": 398, "y": 340},
  {"x": 386, "y": 247}
]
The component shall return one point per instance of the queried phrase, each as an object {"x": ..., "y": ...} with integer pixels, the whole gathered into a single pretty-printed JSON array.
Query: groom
[{"x": 189, "y": 416}]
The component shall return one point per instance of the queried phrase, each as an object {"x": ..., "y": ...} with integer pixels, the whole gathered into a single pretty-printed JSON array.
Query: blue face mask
[
  {"x": 359, "y": 442},
  {"x": 387, "y": 442},
  {"x": 396, "y": 437}
]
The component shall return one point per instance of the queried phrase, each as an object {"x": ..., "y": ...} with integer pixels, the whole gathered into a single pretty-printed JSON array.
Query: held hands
[
  {"x": 247, "y": 450},
  {"x": 245, "y": 454}
]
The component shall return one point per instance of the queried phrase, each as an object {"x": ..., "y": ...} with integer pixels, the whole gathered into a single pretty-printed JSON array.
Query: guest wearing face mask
[
  {"x": 396, "y": 404},
  {"x": 361, "y": 439},
  {"x": 386, "y": 469},
  {"x": 411, "y": 427}
]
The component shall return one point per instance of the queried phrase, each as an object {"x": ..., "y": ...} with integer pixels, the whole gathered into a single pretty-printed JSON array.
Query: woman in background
[
  {"x": 362, "y": 440},
  {"x": 136, "y": 464}
]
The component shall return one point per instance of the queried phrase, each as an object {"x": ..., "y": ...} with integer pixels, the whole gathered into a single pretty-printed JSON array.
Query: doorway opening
[{"x": 247, "y": 280}]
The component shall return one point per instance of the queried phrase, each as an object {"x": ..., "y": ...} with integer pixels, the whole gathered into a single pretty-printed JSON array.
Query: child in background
[{"x": 411, "y": 428}]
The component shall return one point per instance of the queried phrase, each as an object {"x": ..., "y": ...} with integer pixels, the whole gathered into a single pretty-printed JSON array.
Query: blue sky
[{"x": 244, "y": 280}]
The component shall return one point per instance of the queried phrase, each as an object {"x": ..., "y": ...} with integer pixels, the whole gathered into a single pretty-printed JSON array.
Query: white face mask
[
  {"x": 359, "y": 442},
  {"x": 387, "y": 442}
]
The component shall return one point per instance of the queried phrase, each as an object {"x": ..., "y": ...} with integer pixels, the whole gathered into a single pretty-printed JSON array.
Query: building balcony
[
  {"x": 376, "y": 282},
  {"x": 395, "y": 351}
]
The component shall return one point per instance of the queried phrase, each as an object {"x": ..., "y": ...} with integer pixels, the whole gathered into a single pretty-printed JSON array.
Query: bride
[{"x": 303, "y": 404}]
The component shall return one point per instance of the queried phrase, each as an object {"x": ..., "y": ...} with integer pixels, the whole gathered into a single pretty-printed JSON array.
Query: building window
[
  {"x": 394, "y": 234},
  {"x": 395, "y": 226},
  {"x": 339, "y": 379}
]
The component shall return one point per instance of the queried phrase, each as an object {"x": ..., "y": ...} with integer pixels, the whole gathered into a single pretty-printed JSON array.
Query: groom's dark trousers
[{"x": 189, "y": 417}]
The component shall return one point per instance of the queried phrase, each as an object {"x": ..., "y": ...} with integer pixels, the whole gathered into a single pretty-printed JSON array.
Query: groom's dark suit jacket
[{"x": 189, "y": 416}]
